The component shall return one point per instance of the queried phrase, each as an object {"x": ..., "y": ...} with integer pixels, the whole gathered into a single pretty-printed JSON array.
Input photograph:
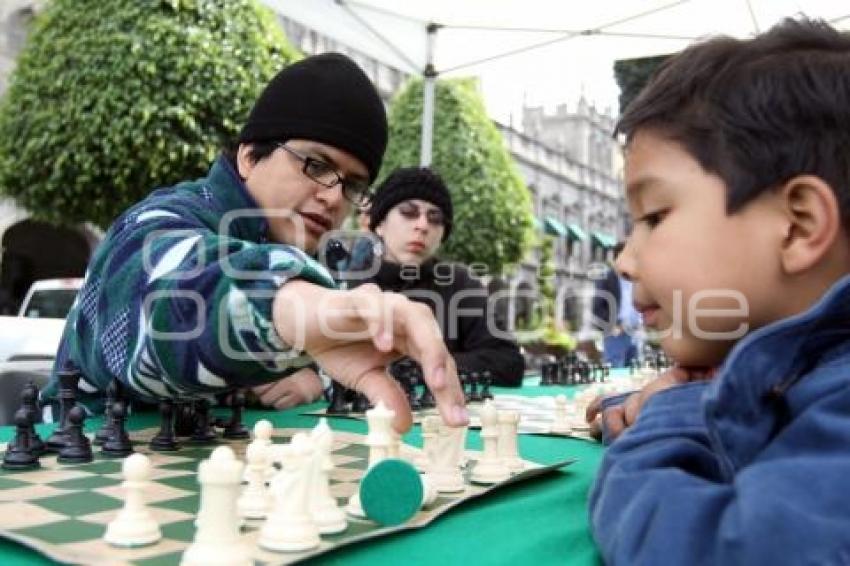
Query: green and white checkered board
[{"x": 62, "y": 511}]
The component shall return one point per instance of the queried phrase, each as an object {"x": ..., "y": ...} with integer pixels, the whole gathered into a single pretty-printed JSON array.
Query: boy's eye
[{"x": 653, "y": 219}]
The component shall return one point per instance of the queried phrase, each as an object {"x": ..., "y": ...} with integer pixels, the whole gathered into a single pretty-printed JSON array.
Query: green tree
[
  {"x": 633, "y": 74},
  {"x": 492, "y": 208},
  {"x": 112, "y": 98}
]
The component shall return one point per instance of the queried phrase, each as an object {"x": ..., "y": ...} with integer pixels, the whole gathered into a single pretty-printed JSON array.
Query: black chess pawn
[
  {"x": 165, "y": 440},
  {"x": 339, "y": 405},
  {"x": 184, "y": 418},
  {"x": 204, "y": 432},
  {"x": 19, "y": 453},
  {"x": 77, "y": 449},
  {"x": 106, "y": 428},
  {"x": 29, "y": 402},
  {"x": 463, "y": 377},
  {"x": 474, "y": 381},
  {"x": 487, "y": 379},
  {"x": 546, "y": 374},
  {"x": 69, "y": 377},
  {"x": 426, "y": 400},
  {"x": 410, "y": 387},
  {"x": 235, "y": 429},
  {"x": 118, "y": 444},
  {"x": 360, "y": 404}
]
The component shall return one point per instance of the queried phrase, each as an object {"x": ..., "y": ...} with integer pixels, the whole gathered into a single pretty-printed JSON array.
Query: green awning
[
  {"x": 575, "y": 233},
  {"x": 553, "y": 227},
  {"x": 604, "y": 240}
]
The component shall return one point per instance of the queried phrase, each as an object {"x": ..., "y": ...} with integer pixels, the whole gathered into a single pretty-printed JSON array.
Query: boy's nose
[{"x": 625, "y": 263}]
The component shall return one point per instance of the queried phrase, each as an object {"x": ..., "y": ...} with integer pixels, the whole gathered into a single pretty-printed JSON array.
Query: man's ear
[
  {"x": 813, "y": 219},
  {"x": 244, "y": 162}
]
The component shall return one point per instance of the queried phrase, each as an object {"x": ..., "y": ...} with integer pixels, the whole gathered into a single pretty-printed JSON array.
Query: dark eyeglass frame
[
  {"x": 355, "y": 191},
  {"x": 434, "y": 216}
]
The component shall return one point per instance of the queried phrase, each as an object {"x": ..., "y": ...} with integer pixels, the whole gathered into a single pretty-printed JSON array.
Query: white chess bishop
[
  {"x": 217, "y": 539},
  {"x": 134, "y": 525},
  {"x": 254, "y": 501}
]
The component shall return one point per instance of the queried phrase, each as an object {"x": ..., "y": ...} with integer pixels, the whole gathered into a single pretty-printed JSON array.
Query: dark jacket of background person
[
  {"x": 604, "y": 308},
  {"x": 473, "y": 345}
]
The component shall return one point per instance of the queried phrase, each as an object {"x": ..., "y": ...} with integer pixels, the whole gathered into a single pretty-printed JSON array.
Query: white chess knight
[
  {"x": 217, "y": 539},
  {"x": 134, "y": 525},
  {"x": 490, "y": 468},
  {"x": 380, "y": 440},
  {"x": 561, "y": 424},
  {"x": 289, "y": 526},
  {"x": 508, "y": 449},
  {"x": 444, "y": 466},
  {"x": 325, "y": 512},
  {"x": 254, "y": 501}
]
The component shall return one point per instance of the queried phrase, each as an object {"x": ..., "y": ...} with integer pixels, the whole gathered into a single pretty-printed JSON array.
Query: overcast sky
[{"x": 565, "y": 69}]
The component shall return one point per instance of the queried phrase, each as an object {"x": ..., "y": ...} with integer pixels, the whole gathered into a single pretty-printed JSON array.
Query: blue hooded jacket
[{"x": 752, "y": 467}]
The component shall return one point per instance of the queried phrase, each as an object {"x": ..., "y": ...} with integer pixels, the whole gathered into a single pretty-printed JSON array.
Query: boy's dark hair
[
  {"x": 757, "y": 112},
  {"x": 258, "y": 151}
]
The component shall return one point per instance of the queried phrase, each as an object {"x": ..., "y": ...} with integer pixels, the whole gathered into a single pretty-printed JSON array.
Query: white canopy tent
[{"x": 536, "y": 50}]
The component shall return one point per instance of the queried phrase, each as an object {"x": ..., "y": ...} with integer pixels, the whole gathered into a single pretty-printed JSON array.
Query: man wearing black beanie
[{"x": 210, "y": 285}]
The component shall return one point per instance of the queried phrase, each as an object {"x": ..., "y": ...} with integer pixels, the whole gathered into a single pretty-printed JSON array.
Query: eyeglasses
[
  {"x": 355, "y": 190},
  {"x": 412, "y": 212}
]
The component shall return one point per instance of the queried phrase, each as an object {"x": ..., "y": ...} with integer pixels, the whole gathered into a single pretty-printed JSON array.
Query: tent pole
[{"x": 430, "y": 76}]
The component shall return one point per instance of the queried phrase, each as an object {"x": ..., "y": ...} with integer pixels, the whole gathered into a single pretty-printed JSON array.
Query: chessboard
[
  {"x": 537, "y": 415},
  {"x": 62, "y": 511}
]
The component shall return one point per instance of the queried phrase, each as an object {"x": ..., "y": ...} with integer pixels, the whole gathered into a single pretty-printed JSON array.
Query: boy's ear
[
  {"x": 244, "y": 162},
  {"x": 813, "y": 222}
]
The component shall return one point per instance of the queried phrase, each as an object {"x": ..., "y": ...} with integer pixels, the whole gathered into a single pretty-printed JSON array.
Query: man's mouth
[
  {"x": 316, "y": 222},
  {"x": 415, "y": 246}
]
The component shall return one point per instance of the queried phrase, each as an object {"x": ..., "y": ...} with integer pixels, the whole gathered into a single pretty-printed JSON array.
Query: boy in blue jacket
[{"x": 738, "y": 180}]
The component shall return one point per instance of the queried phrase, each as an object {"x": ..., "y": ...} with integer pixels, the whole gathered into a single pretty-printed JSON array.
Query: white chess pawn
[
  {"x": 289, "y": 526},
  {"x": 508, "y": 436},
  {"x": 380, "y": 441},
  {"x": 430, "y": 430},
  {"x": 134, "y": 525},
  {"x": 254, "y": 501},
  {"x": 561, "y": 423},
  {"x": 217, "y": 539},
  {"x": 444, "y": 467},
  {"x": 262, "y": 434},
  {"x": 490, "y": 468},
  {"x": 323, "y": 507}
]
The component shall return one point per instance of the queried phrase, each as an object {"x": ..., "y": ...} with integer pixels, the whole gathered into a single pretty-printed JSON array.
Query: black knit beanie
[
  {"x": 411, "y": 183},
  {"x": 325, "y": 98}
]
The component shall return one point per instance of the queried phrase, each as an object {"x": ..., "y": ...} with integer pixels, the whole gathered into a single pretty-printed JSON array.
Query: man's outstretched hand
[{"x": 355, "y": 334}]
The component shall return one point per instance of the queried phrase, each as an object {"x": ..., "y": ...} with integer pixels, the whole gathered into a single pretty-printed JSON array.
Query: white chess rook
[
  {"x": 380, "y": 441},
  {"x": 490, "y": 468},
  {"x": 134, "y": 525},
  {"x": 254, "y": 501},
  {"x": 508, "y": 437},
  {"x": 217, "y": 539},
  {"x": 323, "y": 507},
  {"x": 289, "y": 526}
]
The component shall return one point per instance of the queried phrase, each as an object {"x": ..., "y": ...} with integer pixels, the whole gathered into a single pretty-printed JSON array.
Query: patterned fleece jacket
[{"x": 177, "y": 300}]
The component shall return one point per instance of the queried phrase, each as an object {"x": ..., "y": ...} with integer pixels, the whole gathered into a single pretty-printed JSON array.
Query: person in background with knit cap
[
  {"x": 411, "y": 212},
  {"x": 211, "y": 285}
]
